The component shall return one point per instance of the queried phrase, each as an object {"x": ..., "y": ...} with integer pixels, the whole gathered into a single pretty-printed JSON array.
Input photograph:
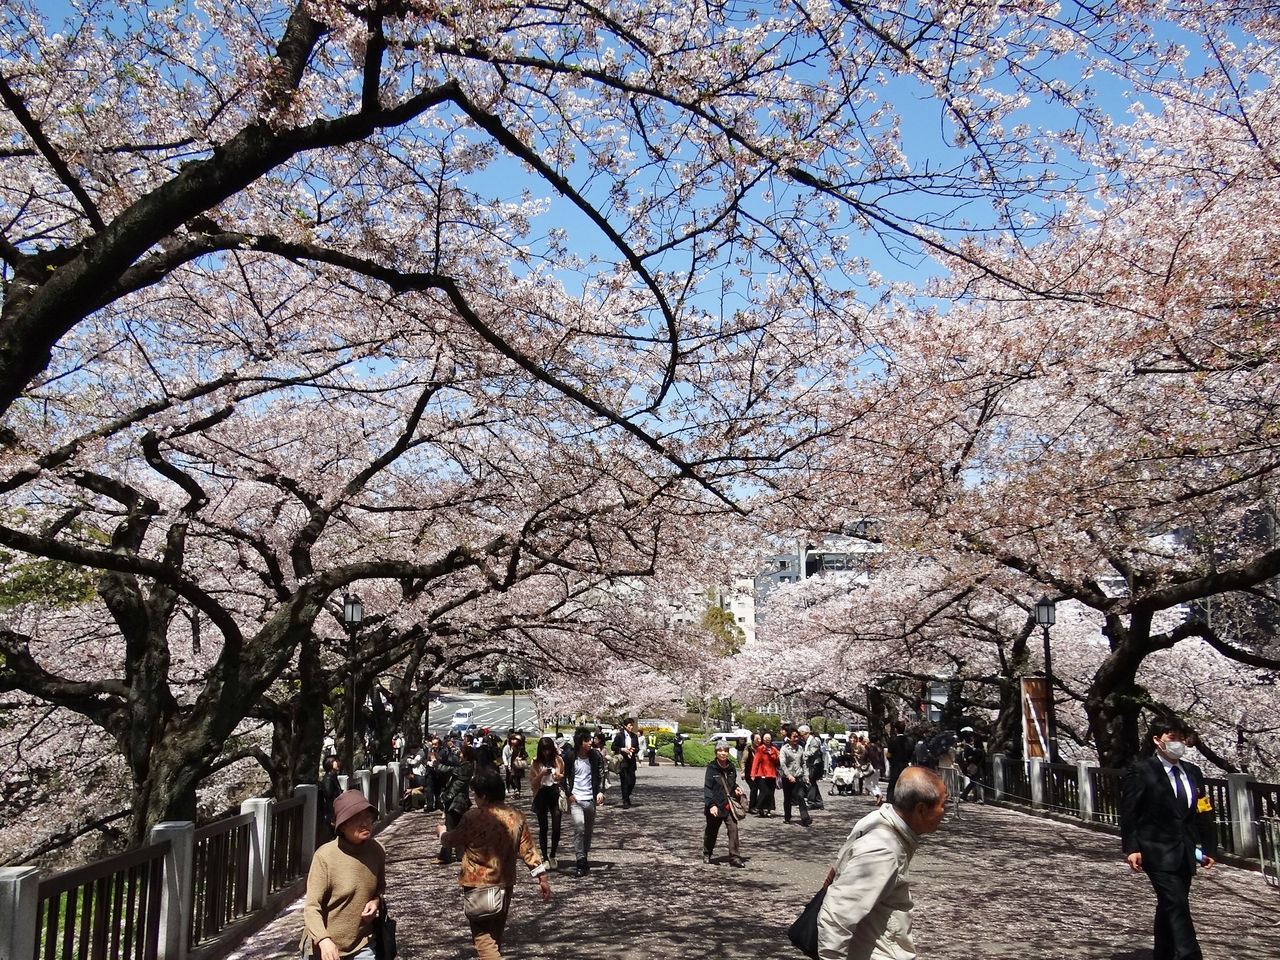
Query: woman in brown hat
[{"x": 345, "y": 885}]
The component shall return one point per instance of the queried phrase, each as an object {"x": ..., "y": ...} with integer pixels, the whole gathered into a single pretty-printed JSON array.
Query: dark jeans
[
  {"x": 546, "y": 805},
  {"x": 794, "y": 794},
  {"x": 712, "y": 831},
  {"x": 627, "y": 779},
  {"x": 753, "y": 797}
]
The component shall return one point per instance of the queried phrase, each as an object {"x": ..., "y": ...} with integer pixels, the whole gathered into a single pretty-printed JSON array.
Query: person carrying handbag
[
  {"x": 720, "y": 790},
  {"x": 491, "y": 835},
  {"x": 345, "y": 885}
]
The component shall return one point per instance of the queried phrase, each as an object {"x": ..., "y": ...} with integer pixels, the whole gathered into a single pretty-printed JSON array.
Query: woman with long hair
[{"x": 546, "y": 782}]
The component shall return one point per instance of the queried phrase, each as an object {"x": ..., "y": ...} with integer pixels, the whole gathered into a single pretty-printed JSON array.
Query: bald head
[{"x": 920, "y": 797}]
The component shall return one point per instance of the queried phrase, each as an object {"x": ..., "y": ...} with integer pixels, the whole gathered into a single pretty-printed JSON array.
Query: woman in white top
[{"x": 546, "y": 782}]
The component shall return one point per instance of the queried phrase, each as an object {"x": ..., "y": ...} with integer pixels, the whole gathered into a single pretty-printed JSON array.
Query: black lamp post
[
  {"x": 1045, "y": 617},
  {"x": 352, "y": 615}
]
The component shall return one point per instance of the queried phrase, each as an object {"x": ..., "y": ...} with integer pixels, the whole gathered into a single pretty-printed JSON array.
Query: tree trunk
[
  {"x": 1006, "y": 735},
  {"x": 1114, "y": 701}
]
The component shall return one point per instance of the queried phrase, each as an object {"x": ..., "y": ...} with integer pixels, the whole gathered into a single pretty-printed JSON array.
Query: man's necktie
[{"x": 1177, "y": 782}]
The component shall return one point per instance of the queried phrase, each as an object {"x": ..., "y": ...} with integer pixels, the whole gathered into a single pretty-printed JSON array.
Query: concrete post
[
  {"x": 1244, "y": 818},
  {"x": 1035, "y": 773},
  {"x": 1087, "y": 803},
  {"x": 379, "y": 795},
  {"x": 363, "y": 783},
  {"x": 997, "y": 776},
  {"x": 19, "y": 902},
  {"x": 175, "y": 917},
  {"x": 343, "y": 781},
  {"x": 259, "y": 849},
  {"x": 310, "y": 794}
]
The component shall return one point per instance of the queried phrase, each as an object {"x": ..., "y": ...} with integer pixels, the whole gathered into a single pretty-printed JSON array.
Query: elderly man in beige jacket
[{"x": 867, "y": 911}]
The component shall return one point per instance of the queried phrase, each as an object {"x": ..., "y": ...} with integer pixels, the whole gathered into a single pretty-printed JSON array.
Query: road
[{"x": 491, "y": 712}]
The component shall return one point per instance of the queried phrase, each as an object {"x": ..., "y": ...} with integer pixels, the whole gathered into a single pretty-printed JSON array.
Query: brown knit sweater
[{"x": 343, "y": 878}]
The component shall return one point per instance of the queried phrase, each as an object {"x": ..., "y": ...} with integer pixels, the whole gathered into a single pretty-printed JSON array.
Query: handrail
[{"x": 105, "y": 909}]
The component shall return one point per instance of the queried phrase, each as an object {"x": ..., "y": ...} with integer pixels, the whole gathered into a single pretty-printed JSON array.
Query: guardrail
[
  {"x": 222, "y": 858},
  {"x": 109, "y": 908},
  {"x": 187, "y": 889},
  {"x": 1242, "y": 806}
]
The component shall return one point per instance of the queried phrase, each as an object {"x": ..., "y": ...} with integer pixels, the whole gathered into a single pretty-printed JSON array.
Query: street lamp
[
  {"x": 352, "y": 615},
  {"x": 1045, "y": 617}
]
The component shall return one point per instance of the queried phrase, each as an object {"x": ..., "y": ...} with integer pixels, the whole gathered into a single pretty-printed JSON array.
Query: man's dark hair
[
  {"x": 581, "y": 736},
  {"x": 1162, "y": 725},
  {"x": 488, "y": 783}
]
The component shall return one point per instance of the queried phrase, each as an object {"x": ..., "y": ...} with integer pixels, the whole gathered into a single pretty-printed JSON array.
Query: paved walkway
[{"x": 996, "y": 884}]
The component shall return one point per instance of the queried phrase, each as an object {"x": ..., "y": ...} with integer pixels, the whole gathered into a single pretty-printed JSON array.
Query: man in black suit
[
  {"x": 1167, "y": 827},
  {"x": 626, "y": 743}
]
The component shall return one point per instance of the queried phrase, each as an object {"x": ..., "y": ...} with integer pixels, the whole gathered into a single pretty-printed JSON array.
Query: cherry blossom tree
[{"x": 1105, "y": 428}]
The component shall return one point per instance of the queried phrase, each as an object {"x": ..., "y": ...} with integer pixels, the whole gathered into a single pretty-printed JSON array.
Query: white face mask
[{"x": 1174, "y": 749}]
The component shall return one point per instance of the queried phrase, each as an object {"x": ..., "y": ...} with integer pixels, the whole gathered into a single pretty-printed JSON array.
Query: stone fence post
[
  {"x": 1244, "y": 818},
  {"x": 1088, "y": 803},
  {"x": 259, "y": 849},
  {"x": 178, "y": 878},
  {"x": 310, "y": 794},
  {"x": 1035, "y": 773},
  {"x": 997, "y": 776},
  {"x": 19, "y": 900}
]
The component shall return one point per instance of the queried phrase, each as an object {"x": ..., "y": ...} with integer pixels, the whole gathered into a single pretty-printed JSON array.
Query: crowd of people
[{"x": 478, "y": 784}]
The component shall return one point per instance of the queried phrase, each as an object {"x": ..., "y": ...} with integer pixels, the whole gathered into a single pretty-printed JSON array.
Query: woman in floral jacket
[{"x": 491, "y": 835}]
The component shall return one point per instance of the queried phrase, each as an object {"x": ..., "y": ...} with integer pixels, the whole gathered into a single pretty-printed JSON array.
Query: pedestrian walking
[
  {"x": 866, "y": 914},
  {"x": 719, "y": 787},
  {"x": 491, "y": 835},
  {"x": 345, "y": 885},
  {"x": 546, "y": 782},
  {"x": 1167, "y": 829},
  {"x": 795, "y": 777},
  {"x": 764, "y": 774},
  {"x": 584, "y": 782}
]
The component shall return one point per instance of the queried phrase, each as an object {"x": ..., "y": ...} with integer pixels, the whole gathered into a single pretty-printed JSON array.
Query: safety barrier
[{"x": 182, "y": 892}]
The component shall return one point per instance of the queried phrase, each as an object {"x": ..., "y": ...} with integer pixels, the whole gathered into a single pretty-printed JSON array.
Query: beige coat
[{"x": 867, "y": 911}]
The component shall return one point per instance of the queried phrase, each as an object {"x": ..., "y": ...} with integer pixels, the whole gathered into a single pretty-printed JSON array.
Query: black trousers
[
  {"x": 1175, "y": 933},
  {"x": 546, "y": 804},
  {"x": 794, "y": 794},
  {"x": 627, "y": 779},
  {"x": 764, "y": 797}
]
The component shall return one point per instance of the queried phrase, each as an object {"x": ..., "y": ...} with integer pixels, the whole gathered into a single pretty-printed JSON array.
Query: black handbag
[
  {"x": 804, "y": 932},
  {"x": 384, "y": 933}
]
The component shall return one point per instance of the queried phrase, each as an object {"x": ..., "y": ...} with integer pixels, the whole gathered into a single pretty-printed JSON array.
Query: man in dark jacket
[
  {"x": 626, "y": 744},
  {"x": 1167, "y": 828},
  {"x": 584, "y": 783},
  {"x": 899, "y": 755}
]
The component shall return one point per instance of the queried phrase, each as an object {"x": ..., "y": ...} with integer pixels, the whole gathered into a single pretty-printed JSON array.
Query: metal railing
[
  {"x": 107, "y": 909},
  {"x": 220, "y": 888},
  {"x": 1017, "y": 782},
  {"x": 285, "y": 864},
  {"x": 1106, "y": 795},
  {"x": 1061, "y": 786}
]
